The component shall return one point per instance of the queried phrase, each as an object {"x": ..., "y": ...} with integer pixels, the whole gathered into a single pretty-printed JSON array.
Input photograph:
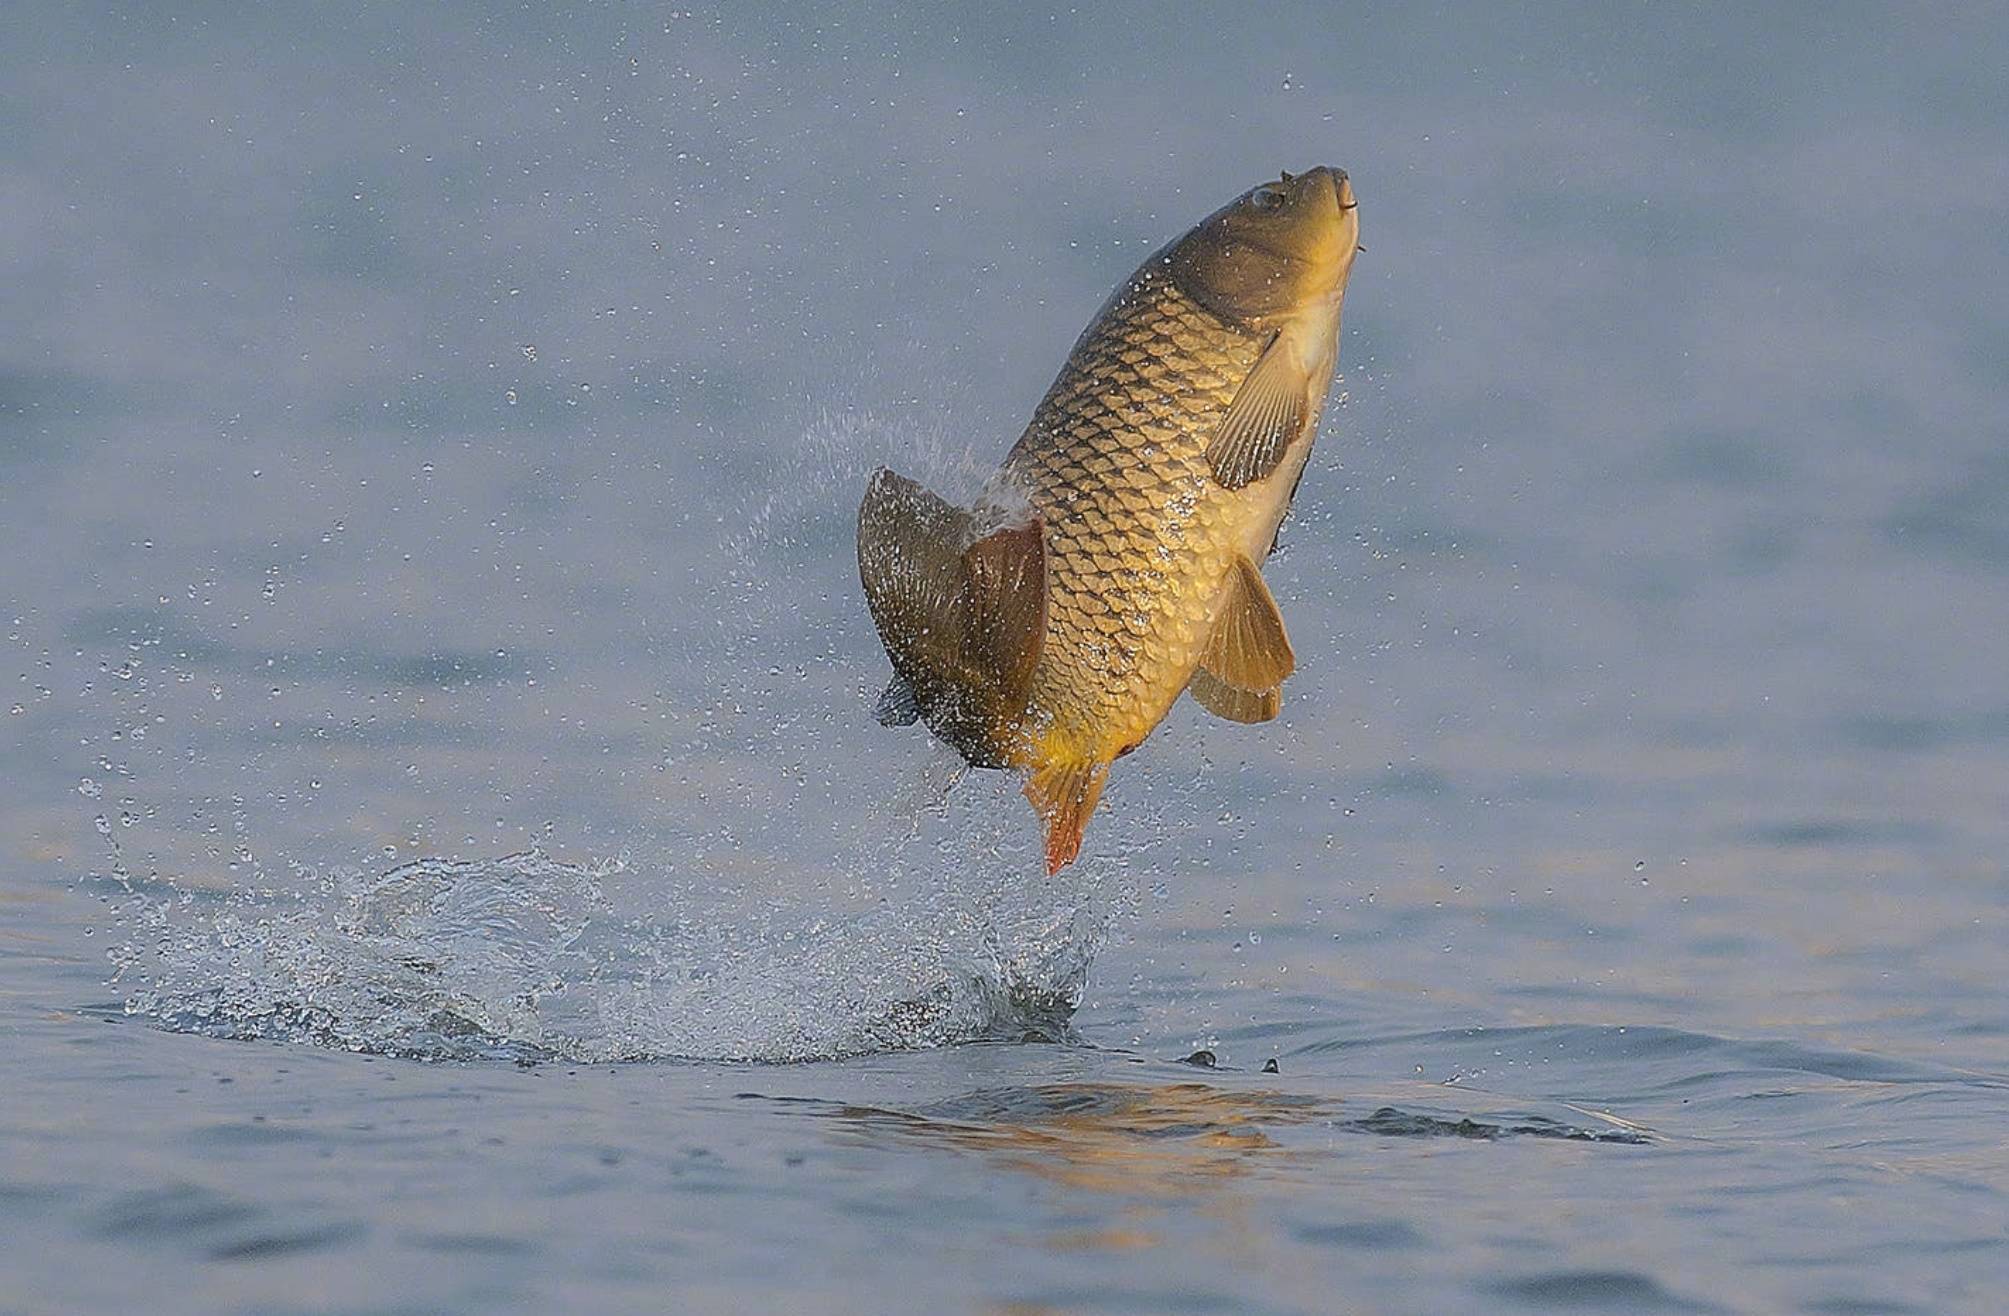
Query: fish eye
[{"x": 1266, "y": 198}]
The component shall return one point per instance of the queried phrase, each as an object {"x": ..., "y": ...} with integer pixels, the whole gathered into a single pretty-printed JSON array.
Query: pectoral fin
[
  {"x": 1267, "y": 415},
  {"x": 1065, "y": 793},
  {"x": 963, "y": 617},
  {"x": 1248, "y": 649}
]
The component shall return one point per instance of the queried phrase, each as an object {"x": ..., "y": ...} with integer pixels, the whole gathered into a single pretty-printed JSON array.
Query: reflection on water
[
  {"x": 1163, "y": 1141},
  {"x": 1172, "y": 1140}
]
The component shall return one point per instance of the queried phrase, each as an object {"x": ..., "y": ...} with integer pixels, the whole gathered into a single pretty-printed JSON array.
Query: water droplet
[{"x": 89, "y": 789}]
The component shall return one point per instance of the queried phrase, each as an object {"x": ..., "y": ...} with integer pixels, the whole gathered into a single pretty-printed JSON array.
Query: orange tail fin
[{"x": 1065, "y": 793}]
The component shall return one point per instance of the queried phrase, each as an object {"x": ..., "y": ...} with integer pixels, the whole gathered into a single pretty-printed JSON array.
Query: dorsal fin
[
  {"x": 1248, "y": 649},
  {"x": 1005, "y": 573},
  {"x": 1231, "y": 702},
  {"x": 1265, "y": 418},
  {"x": 963, "y": 618}
]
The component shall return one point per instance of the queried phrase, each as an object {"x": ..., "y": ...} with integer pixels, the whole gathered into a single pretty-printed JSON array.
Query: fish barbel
[{"x": 1112, "y": 562}]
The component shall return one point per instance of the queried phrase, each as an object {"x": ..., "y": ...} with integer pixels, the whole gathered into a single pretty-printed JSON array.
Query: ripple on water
[
  {"x": 1632, "y": 1062},
  {"x": 1599, "y": 1290},
  {"x": 215, "y": 1225}
]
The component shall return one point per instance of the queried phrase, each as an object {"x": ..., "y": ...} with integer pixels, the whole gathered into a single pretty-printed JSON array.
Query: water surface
[{"x": 448, "y": 861}]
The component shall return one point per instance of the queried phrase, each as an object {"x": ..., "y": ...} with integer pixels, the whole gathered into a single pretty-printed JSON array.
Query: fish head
[{"x": 1277, "y": 249}]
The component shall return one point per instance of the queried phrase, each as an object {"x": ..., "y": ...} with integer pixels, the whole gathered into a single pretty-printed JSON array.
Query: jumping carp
[{"x": 1111, "y": 563}]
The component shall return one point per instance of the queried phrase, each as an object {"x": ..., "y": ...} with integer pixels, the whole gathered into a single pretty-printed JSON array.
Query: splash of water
[
  {"x": 527, "y": 958},
  {"x": 434, "y": 958}
]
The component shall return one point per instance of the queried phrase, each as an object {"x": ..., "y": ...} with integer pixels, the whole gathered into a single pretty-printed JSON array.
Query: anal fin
[
  {"x": 1065, "y": 793},
  {"x": 1268, "y": 413}
]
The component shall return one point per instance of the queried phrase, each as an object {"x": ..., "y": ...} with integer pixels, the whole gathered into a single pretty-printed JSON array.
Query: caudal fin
[
  {"x": 962, "y": 615},
  {"x": 1065, "y": 793}
]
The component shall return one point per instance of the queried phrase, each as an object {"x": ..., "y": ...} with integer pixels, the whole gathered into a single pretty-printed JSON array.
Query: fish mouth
[
  {"x": 1343, "y": 190},
  {"x": 1342, "y": 186}
]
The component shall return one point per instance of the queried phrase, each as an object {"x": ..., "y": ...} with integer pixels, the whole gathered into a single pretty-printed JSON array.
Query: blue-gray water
[{"x": 439, "y": 769}]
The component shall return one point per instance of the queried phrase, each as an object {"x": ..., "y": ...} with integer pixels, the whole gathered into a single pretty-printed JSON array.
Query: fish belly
[
  {"x": 1137, "y": 570},
  {"x": 1140, "y": 538}
]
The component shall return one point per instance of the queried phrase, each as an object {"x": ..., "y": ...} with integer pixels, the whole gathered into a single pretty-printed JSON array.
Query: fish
[{"x": 1113, "y": 561}]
